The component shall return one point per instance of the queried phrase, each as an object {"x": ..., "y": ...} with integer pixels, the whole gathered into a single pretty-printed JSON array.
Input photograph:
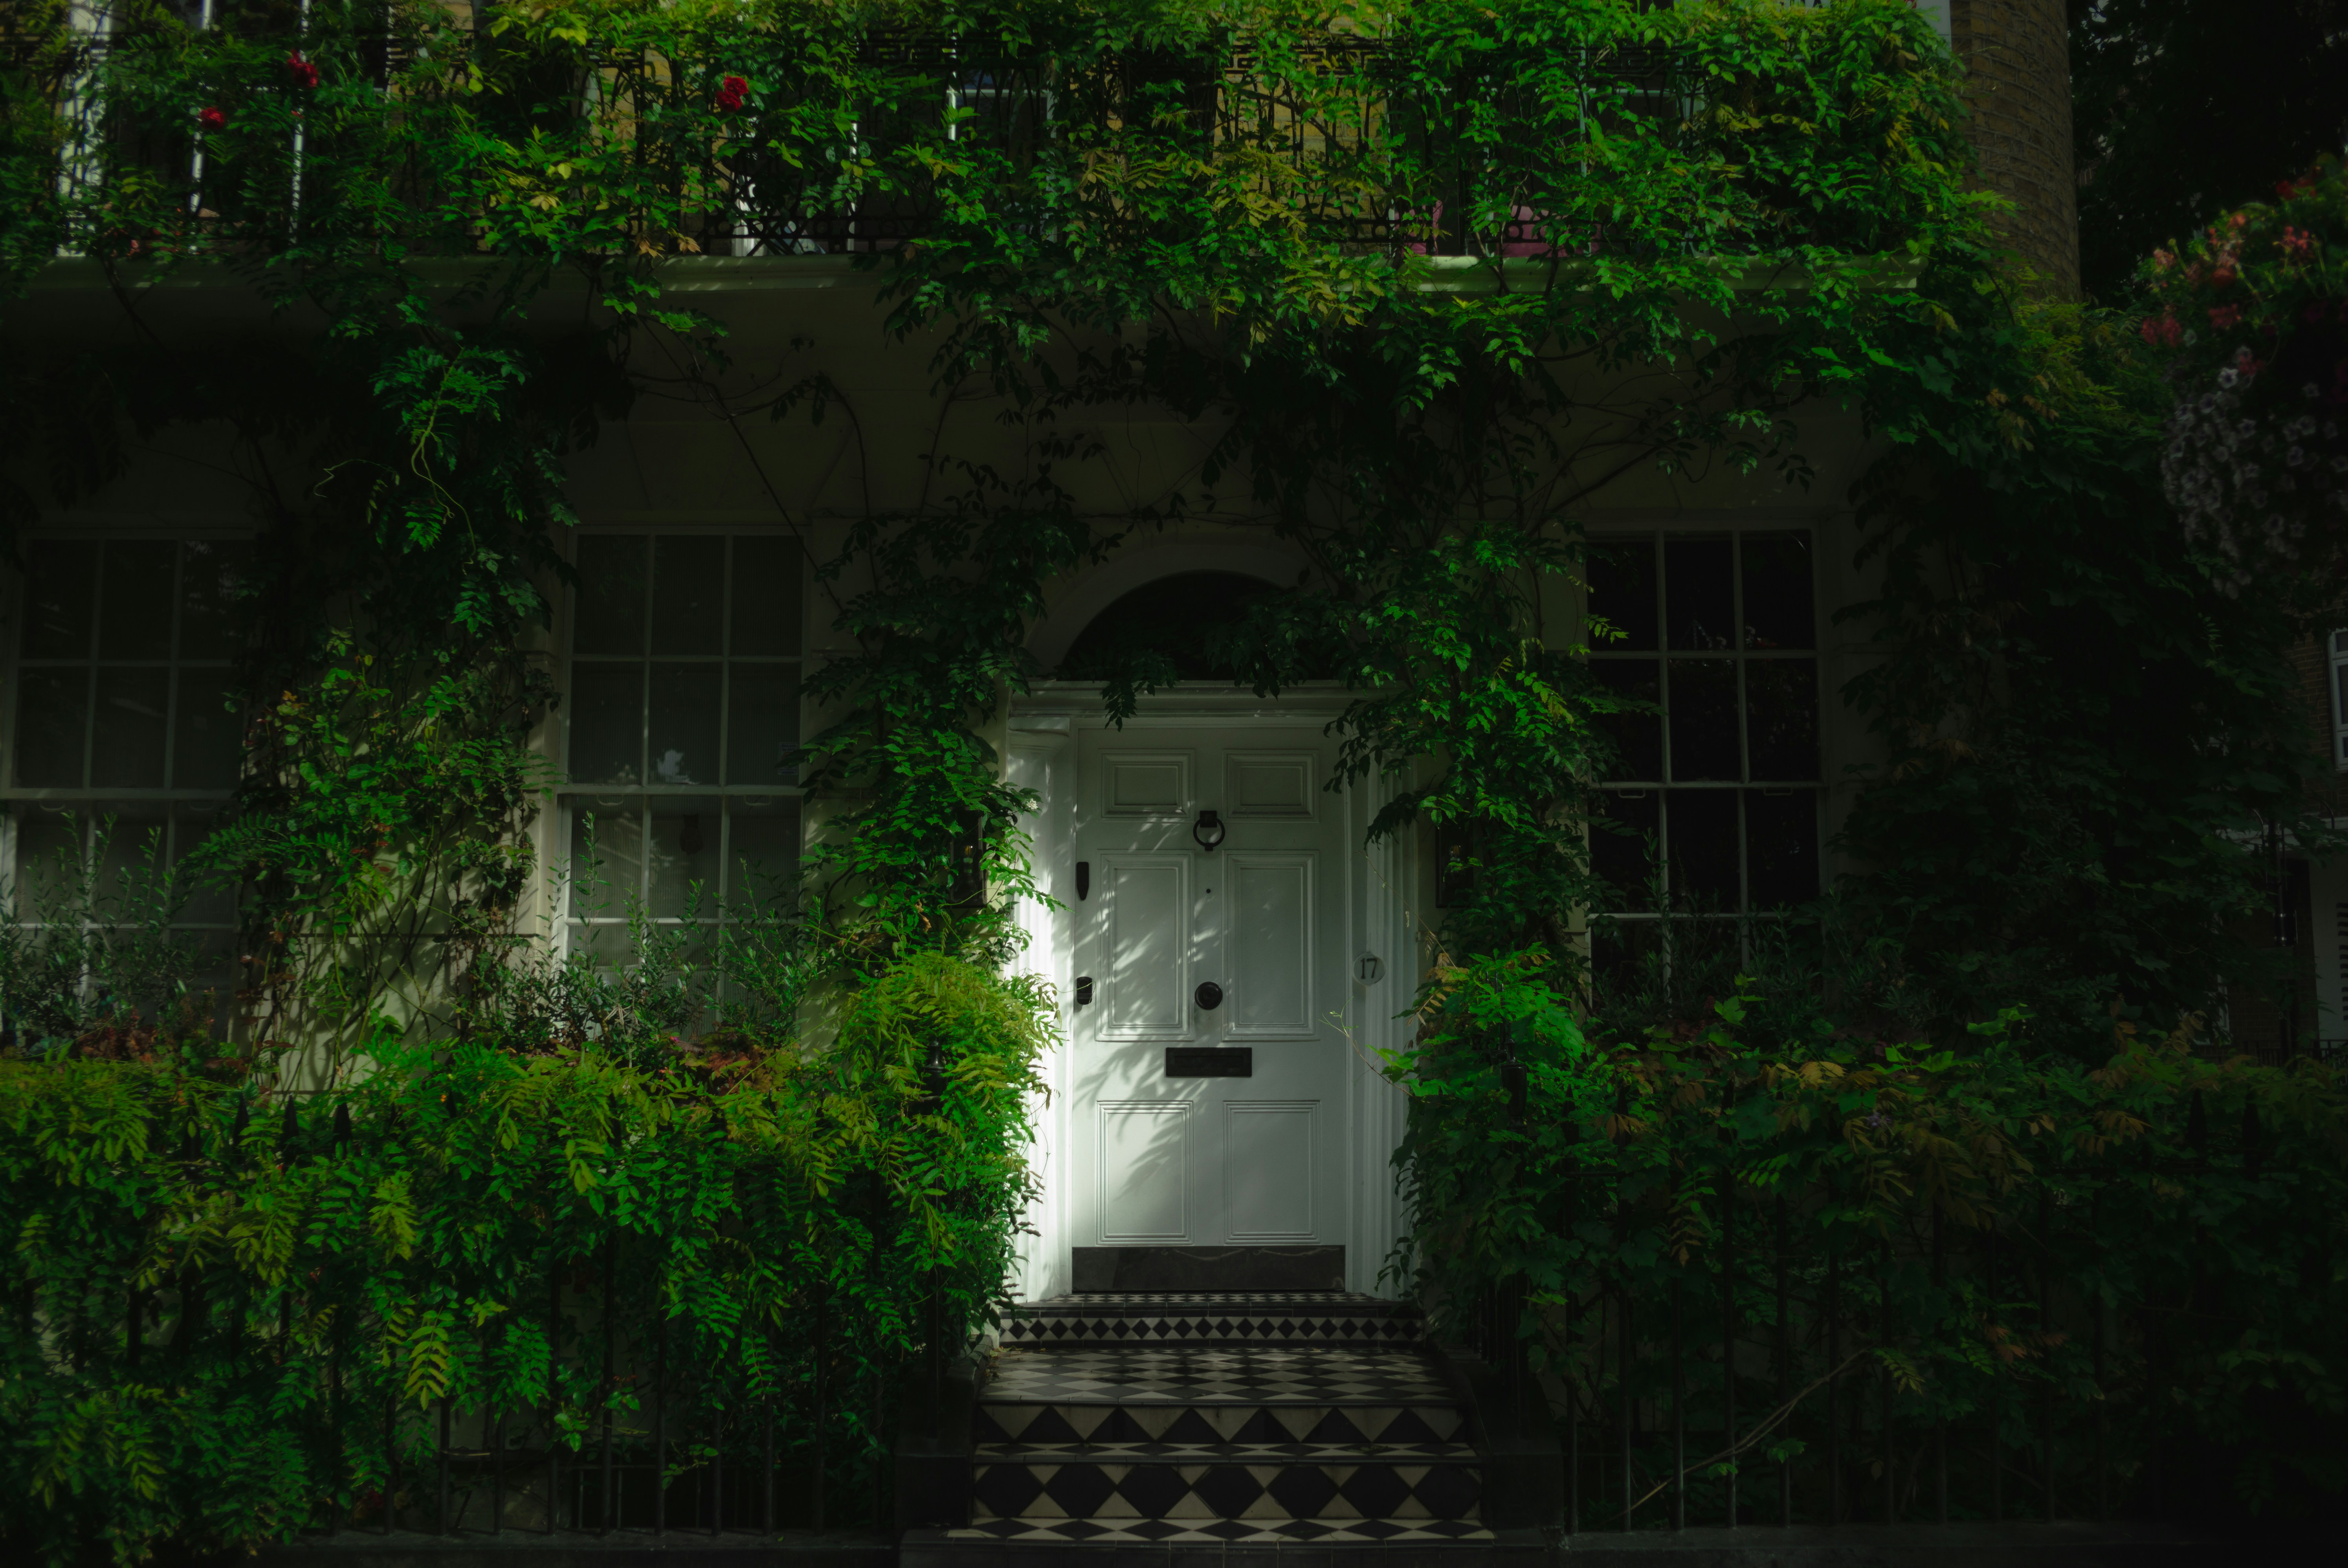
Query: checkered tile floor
[
  {"x": 1186, "y": 1374},
  {"x": 1261, "y": 1317},
  {"x": 1242, "y": 1439}
]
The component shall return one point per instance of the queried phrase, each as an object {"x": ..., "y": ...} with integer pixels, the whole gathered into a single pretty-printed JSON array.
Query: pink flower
[
  {"x": 731, "y": 92},
  {"x": 2297, "y": 241},
  {"x": 2163, "y": 260},
  {"x": 2161, "y": 332},
  {"x": 210, "y": 118},
  {"x": 303, "y": 73},
  {"x": 2225, "y": 316}
]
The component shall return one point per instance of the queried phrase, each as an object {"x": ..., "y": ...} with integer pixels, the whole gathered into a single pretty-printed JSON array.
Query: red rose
[
  {"x": 303, "y": 73},
  {"x": 731, "y": 92},
  {"x": 210, "y": 118},
  {"x": 2225, "y": 316}
]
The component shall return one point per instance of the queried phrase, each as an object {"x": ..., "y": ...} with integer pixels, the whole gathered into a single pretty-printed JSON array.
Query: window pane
[
  {"x": 1779, "y": 610},
  {"x": 607, "y": 855},
  {"x": 607, "y": 722},
  {"x": 134, "y": 611},
  {"x": 1701, "y": 826},
  {"x": 766, "y": 596},
  {"x": 127, "y": 752},
  {"x": 763, "y": 848},
  {"x": 1781, "y": 699},
  {"x": 1704, "y": 720},
  {"x": 212, "y": 581},
  {"x": 683, "y": 857},
  {"x": 206, "y": 905},
  {"x": 688, "y": 583},
  {"x": 682, "y": 749},
  {"x": 1637, "y": 738},
  {"x": 51, "y": 712},
  {"x": 1626, "y": 959},
  {"x": 1701, "y": 611},
  {"x": 1623, "y": 855},
  {"x": 608, "y": 947},
  {"x": 57, "y": 600},
  {"x": 137, "y": 857},
  {"x": 762, "y": 728},
  {"x": 611, "y": 607},
  {"x": 1781, "y": 837},
  {"x": 205, "y": 736},
  {"x": 48, "y": 863},
  {"x": 1622, "y": 592}
]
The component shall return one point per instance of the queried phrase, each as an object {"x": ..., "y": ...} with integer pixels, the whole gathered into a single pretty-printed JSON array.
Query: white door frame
[{"x": 1381, "y": 921}]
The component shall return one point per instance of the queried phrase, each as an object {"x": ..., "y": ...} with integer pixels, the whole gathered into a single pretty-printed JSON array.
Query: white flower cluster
[{"x": 2248, "y": 484}]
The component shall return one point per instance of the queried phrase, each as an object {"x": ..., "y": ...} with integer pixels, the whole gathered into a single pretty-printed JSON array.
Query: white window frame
[
  {"x": 1656, "y": 540},
  {"x": 86, "y": 805},
  {"x": 572, "y": 928}
]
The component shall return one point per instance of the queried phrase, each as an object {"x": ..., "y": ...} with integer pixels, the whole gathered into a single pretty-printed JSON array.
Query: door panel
[
  {"x": 1145, "y": 1165},
  {"x": 1145, "y": 994},
  {"x": 1210, "y": 1160},
  {"x": 1267, "y": 1169},
  {"x": 1269, "y": 951},
  {"x": 1271, "y": 784},
  {"x": 1146, "y": 784}
]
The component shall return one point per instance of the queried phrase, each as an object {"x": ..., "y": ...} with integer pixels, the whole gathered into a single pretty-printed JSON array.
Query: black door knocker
[
  {"x": 1209, "y": 996},
  {"x": 1207, "y": 830}
]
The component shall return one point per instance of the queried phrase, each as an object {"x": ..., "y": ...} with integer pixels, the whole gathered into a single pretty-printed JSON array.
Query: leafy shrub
[
  {"x": 233, "y": 1315},
  {"x": 2143, "y": 1255}
]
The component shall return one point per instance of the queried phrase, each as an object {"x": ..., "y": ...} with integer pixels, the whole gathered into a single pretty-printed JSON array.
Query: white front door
[{"x": 1163, "y": 925}]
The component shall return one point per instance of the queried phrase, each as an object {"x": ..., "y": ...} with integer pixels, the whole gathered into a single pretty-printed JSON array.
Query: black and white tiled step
[
  {"x": 1253, "y": 1317},
  {"x": 1271, "y": 1444}
]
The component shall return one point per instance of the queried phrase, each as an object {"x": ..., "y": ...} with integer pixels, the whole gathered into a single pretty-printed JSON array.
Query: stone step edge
[{"x": 1226, "y": 1453}]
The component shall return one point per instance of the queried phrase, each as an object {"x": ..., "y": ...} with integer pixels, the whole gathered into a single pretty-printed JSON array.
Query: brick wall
[{"x": 2017, "y": 58}]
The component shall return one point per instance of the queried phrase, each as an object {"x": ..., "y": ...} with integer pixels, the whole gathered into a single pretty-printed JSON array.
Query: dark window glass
[
  {"x": 207, "y": 736},
  {"x": 1697, "y": 595},
  {"x": 1622, "y": 592},
  {"x": 1779, "y": 609},
  {"x": 126, "y": 751},
  {"x": 211, "y": 581},
  {"x": 134, "y": 611},
  {"x": 1625, "y": 957},
  {"x": 1781, "y": 697},
  {"x": 1177, "y": 619},
  {"x": 681, "y": 732},
  {"x": 766, "y": 596},
  {"x": 1703, "y": 712},
  {"x": 52, "y": 707},
  {"x": 762, "y": 724},
  {"x": 57, "y": 600},
  {"x": 762, "y": 844},
  {"x": 1623, "y": 844},
  {"x": 1637, "y": 737},
  {"x": 607, "y": 722},
  {"x": 1783, "y": 833},
  {"x": 688, "y": 593},
  {"x": 1701, "y": 826},
  {"x": 611, "y": 594},
  {"x": 683, "y": 857}
]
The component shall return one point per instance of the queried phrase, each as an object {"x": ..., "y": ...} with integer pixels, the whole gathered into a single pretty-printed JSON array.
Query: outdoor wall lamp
[{"x": 1207, "y": 830}]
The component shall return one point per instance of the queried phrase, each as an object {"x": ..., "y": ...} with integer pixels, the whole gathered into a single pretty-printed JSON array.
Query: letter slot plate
[{"x": 1209, "y": 1062}]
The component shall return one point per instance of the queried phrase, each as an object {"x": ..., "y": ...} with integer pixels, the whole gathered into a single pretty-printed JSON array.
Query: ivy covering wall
[{"x": 1444, "y": 277}]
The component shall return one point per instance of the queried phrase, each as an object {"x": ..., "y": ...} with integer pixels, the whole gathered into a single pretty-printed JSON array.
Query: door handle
[
  {"x": 1209, "y": 996},
  {"x": 1084, "y": 990}
]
